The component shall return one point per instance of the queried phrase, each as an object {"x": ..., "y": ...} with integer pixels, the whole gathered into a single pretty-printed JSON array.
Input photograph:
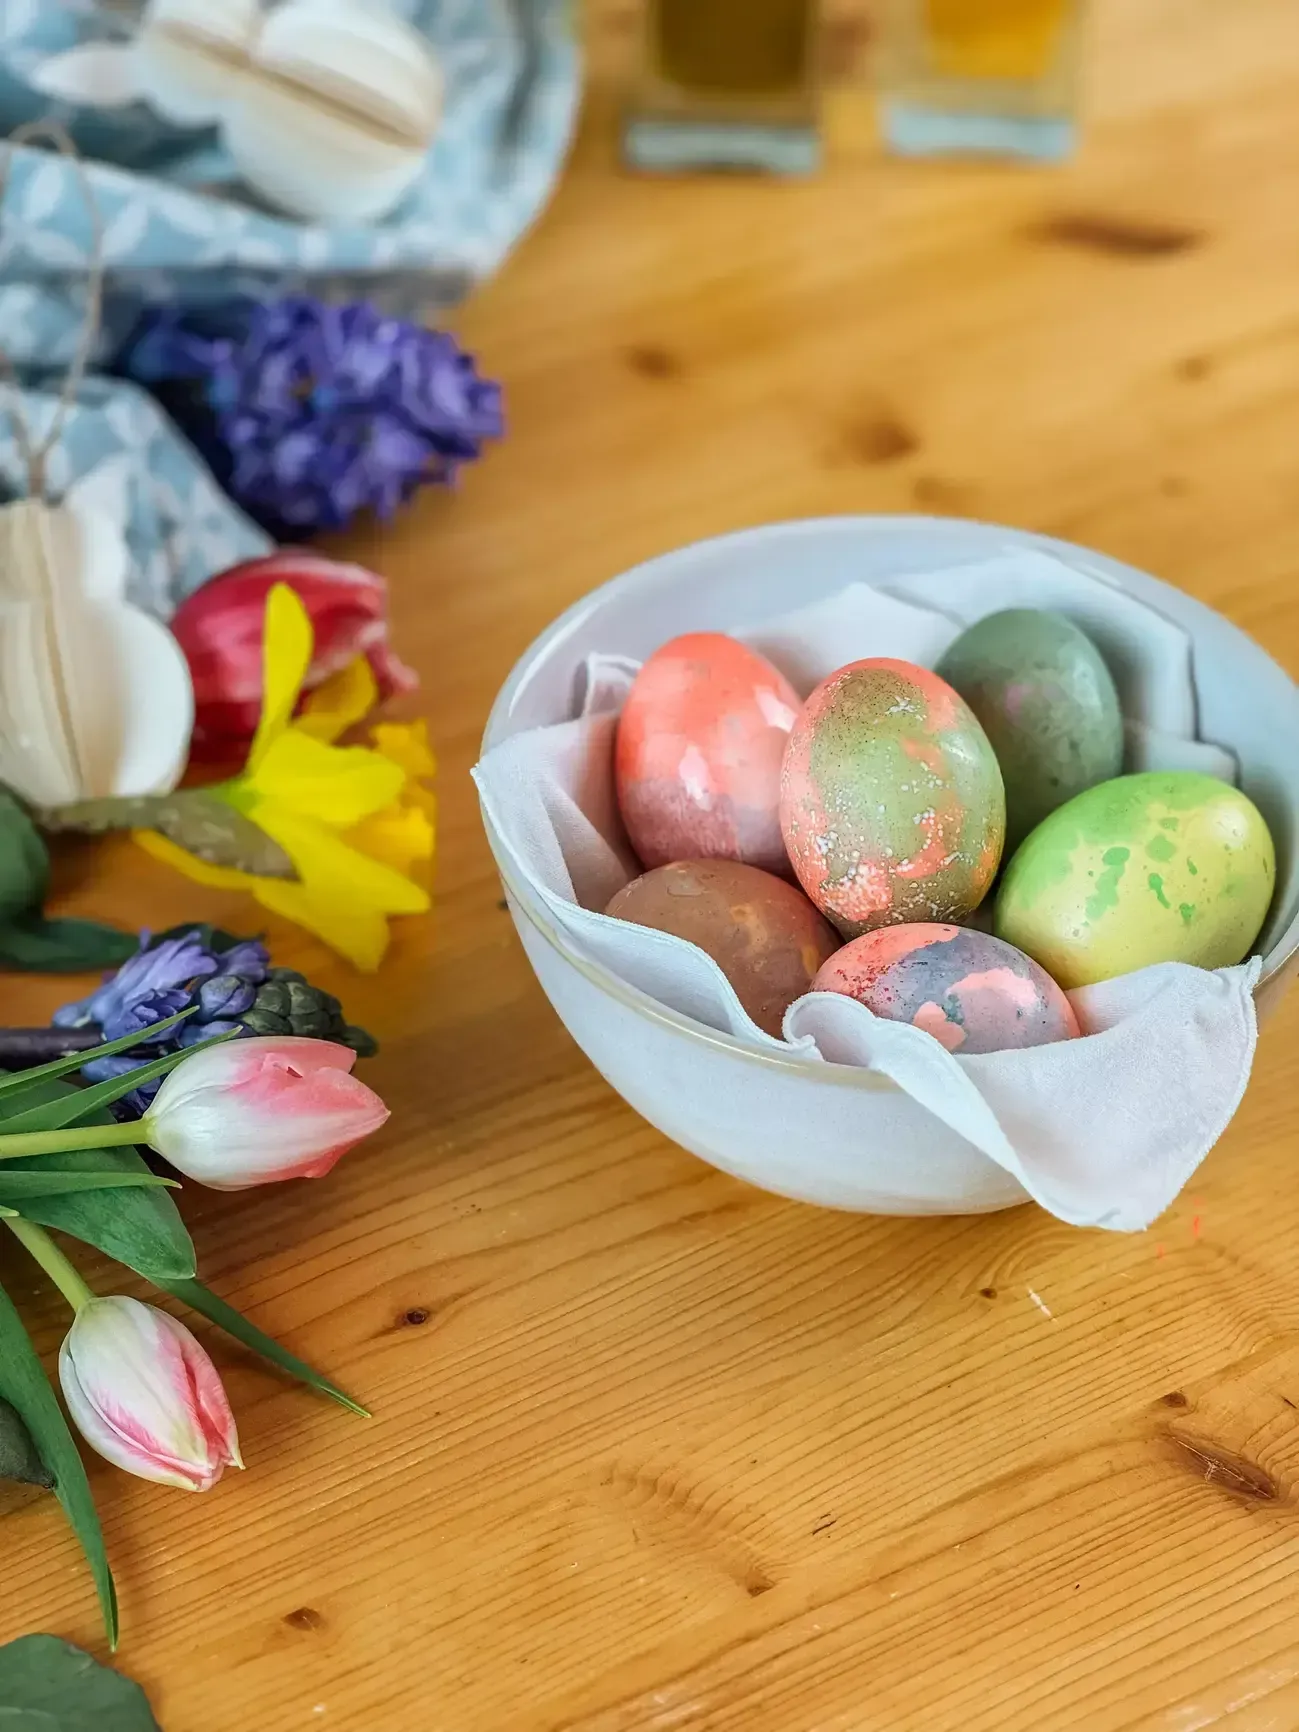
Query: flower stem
[
  {"x": 21, "y": 1047},
  {"x": 52, "y": 1260},
  {"x": 20, "y": 1143}
]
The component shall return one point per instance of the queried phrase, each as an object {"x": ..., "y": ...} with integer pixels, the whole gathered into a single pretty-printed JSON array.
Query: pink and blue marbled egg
[{"x": 972, "y": 992}]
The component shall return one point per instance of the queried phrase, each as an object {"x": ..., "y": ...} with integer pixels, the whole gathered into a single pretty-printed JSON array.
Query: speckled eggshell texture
[
  {"x": 971, "y": 992},
  {"x": 698, "y": 754},
  {"x": 1048, "y": 704},
  {"x": 892, "y": 803},
  {"x": 763, "y": 934},
  {"x": 1166, "y": 866}
]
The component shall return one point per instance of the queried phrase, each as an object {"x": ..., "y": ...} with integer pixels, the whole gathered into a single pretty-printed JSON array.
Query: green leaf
[
  {"x": 47, "y": 1685},
  {"x": 139, "y": 1226},
  {"x": 19, "y": 1457},
  {"x": 20, "y": 1079},
  {"x": 80, "y": 1105},
  {"x": 203, "y": 1300},
  {"x": 24, "y": 862},
  {"x": 27, "y": 939},
  {"x": 21, "y": 1182},
  {"x": 33, "y": 945},
  {"x": 24, "y": 1386}
]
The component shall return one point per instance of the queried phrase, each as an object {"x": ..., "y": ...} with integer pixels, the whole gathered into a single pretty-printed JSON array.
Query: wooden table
[{"x": 652, "y": 1450}]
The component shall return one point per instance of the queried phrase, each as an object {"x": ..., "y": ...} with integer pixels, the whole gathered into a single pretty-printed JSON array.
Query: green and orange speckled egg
[{"x": 892, "y": 804}]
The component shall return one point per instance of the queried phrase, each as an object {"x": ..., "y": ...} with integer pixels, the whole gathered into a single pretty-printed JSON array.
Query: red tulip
[{"x": 220, "y": 630}]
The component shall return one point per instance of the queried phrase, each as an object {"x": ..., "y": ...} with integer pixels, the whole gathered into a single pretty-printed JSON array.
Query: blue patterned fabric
[{"x": 178, "y": 225}]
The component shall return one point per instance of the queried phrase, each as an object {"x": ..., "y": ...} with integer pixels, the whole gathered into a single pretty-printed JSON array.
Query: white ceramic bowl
[{"x": 826, "y": 1126}]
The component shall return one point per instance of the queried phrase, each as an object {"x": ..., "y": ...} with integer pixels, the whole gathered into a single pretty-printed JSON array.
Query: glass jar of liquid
[
  {"x": 726, "y": 84},
  {"x": 981, "y": 77}
]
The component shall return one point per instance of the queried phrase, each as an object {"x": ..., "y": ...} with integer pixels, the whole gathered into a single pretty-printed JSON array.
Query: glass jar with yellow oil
[{"x": 981, "y": 77}]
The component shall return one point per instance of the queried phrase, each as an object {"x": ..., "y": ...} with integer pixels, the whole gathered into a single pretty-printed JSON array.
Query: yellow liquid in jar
[{"x": 993, "y": 39}]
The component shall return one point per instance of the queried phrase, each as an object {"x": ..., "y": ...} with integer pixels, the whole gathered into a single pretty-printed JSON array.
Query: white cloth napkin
[{"x": 1103, "y": 1131}]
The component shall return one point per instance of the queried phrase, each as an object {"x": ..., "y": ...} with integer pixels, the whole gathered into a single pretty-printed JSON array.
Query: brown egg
[{"x": 764, "y": 935}]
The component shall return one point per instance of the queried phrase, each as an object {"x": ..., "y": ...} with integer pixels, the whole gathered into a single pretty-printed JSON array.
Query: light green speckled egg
[{"x": 1168, "y": 866}]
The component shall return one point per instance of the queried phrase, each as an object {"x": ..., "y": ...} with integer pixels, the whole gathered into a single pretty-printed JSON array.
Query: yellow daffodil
[{"x": 356, "y": 821}]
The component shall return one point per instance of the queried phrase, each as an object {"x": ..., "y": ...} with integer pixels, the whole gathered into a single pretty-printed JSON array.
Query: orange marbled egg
[{"x": 699, "y": 750}]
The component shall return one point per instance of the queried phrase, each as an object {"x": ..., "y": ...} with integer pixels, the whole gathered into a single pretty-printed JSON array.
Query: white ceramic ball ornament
[{"x": 328, "y": 107}]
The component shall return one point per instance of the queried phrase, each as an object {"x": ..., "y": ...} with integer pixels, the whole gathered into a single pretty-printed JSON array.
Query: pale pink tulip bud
[
  {"x": 143, "y": 1393},
  {"x": 251, "y": 1111}
]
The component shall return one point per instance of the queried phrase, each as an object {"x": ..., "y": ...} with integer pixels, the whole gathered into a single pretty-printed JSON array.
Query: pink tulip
[
  {"x": 143, "y": 1393},
  {"x": 251, "y": 1111},
  {"x": 220, "y": 630}
]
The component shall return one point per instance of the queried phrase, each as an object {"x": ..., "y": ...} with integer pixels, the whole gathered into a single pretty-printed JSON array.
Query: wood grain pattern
[{"x": 654, "y": 1452}]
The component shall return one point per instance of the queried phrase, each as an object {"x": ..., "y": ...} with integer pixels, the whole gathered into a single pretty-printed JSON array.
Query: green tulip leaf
[
  {"x": 203, "y": 1300},
  {"x": 47, "y": 1685},
  {"x": 27, "y": 939},
  {"x": 138, "y": 1225},
  {"x": 33, "y": 945},
  {"x": 24, "y": 1386},
  {"x": 19, "y": 1457},
  {"x": 18, "y": 1183}
]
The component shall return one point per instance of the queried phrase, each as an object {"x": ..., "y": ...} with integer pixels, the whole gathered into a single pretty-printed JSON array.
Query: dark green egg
[{"x": 1047, "y": 703}]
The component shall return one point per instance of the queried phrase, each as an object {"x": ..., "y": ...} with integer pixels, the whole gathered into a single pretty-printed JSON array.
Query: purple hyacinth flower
[
  {"x": 130, "y": 1106},
  {"x": 228, "y": 987},
  {"x": 225, "y": 996},
  {"x": 249, "y": 959},
  {"x": 160, "y": 980},
  {"x": 312, "y": 413},
  {"x": 195, "y": 1033},
  {"x": 149, "y": 987}
]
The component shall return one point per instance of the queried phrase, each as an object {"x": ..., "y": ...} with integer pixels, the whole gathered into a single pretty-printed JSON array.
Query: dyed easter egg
[
  {"x": 971, "y": 992},
  {"x": 764, "y": 935},
  {"x": 1167, "y": 866},
  {"x": 697, "y": 761},
  {"x": 891, "y": 800},
  {"x": 1048, "y": 704}
]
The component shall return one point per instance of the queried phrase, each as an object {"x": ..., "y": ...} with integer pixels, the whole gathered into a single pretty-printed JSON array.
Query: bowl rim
[{"x": 631, "y": 997}]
